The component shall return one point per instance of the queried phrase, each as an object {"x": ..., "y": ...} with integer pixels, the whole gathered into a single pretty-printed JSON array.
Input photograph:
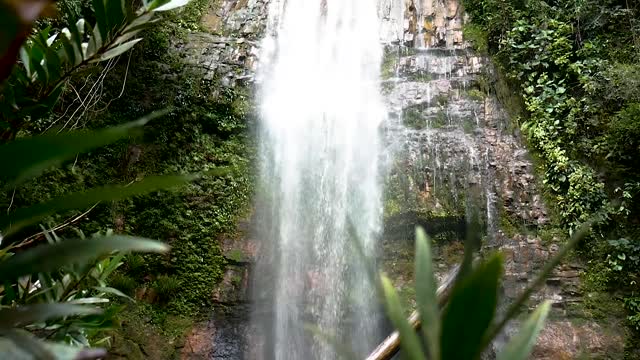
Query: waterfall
[{"x": 321, "y": 110}]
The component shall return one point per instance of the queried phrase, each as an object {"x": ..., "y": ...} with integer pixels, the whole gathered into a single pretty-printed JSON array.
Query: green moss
[
  {"x": 407, "y": 51},
  {"x": 389, "y": 64},
  {"x": 387, "y": 87},
  {"x": 189, "y": 18},
  {"x": 412, "y": 117},
  {"x": 602, "y": 306},
  {"x": 508, "y": 225},
  {"x": 421, "y": 76},
  {"x": 439, "y": 120},
  {"x": 166, "y": 287},
  {"x": 235, "y": 255},
  {"x": 236, "y": 280},
  {"x": 475, "y": 94},
  {"x": 442, "y": 99},
  {"x": 469, "y": 125},
  {"x": 408, "y": 297},
  {"x": 477, "y": 37},
  {"x": 144, "y": 329},
  {"x": 552, "y": 234},
  {"x": 391, "y": 207}
]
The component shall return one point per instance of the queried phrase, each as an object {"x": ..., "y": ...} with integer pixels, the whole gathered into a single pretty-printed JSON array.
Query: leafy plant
[
  {"x": 123, "y": 282},
  {"x": 47, "y": 61},
  {"x": 625, "y": 255},
  {"x": 468, "y": 323},
  {"x": 574, "y": 66},
  {"x": 632, "y": 304},
  {"x": 47, "y": 288},
  {"x": 166, "y": 287},
  {"x": 55, "y": 278}
]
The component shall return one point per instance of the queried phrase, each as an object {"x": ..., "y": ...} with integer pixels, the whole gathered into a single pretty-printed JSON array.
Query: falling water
[{"x": 320, "y": 109}]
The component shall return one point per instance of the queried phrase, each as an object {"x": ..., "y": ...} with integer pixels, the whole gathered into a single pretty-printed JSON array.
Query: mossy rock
[
  {"x": 402, "y": 225},
  {"x": 125, "y": 349}
]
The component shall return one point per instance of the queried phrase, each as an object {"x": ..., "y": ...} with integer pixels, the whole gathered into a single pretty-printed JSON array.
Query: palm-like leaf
[{"x": 47, "y": 61}]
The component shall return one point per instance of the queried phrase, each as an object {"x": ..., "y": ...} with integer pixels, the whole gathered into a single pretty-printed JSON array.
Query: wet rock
[
  {"x": 222, "y": 337},
  {"x": 125, "y": 349},
  {"x": 565, "y": 340},
  {"x": 457, "y": 150},
  {"x": 227, "y": 52}
]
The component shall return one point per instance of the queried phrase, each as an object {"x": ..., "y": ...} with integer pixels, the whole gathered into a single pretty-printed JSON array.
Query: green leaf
[
  {"x": 115, "y": 15},
  {"x": 426, "y": 287},
  {"x": 77, "y": 34},
  {"x": 112, "y": 291},
  {"x": 95, "y": 42},
  {"x": 408, "y": 339},
  {"x": 520, "y": 346},
  {"x": 11, "y": 350},
  {"x": 126, "y": 37},
  {"x": 111, "y": 264},
  {"x": 24, "y": 57},
  {"x": 50, "y": 257},
  {"x": 73, "y": 54},
  {"x": 40, "y": 70},
  {"x": 470, "y": 311},
  {"x": 140, "y": 23},
  {"x": 30, "y": 346},
  {"x": 53, "y": 63},
  {"x": 118, "y": 50},
  {"x": 101, "y": 18},
  {"x": 129, "y": 11},
  {"x": 164, "y": 5},
  {"x": 25, "y": 158},
  {"x": 25, "y": 315},
  {"x": 23, "y": 217}
]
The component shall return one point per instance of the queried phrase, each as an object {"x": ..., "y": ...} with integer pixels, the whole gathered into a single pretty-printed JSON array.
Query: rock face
[
  {"x": 223, "y": 335},
  {"x": 452, "y": 152},
  {"x": 227, "y": 52},
  {"x": 422, "y": 23}
]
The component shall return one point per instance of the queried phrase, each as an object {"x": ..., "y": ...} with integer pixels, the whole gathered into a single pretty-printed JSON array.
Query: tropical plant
[
  {"x": 463, "y": 326},
  {"x": 47, "y": 61},
  {"x": 57, "y": 280},
  {"x": 49, "y": 291}
]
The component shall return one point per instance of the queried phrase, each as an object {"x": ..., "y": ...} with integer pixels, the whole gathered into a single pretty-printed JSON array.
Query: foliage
[
  {"x": 50, "y": 281},
  {"x": 576, "y": 64},
  {"x": 54, "y": 281},
  {"x": 474, "y": 34},
  {"x": 625, "y": 251},
  {"x": 205, "y": 128},
  {"x": 166, "y": 287},
  {"x": 126, "y": 284},
  {"x": 632, "y": 303},
  {"x": 48, "y": 60}
]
